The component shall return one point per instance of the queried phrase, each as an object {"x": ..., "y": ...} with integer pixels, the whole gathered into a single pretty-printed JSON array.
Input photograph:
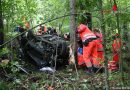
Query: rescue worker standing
[
  {"x": 116, "y": 47},
  {"x": 89, "y": 48}
]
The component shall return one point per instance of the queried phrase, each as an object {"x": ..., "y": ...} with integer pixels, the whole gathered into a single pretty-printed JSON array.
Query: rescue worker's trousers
[{"x": 90, "y": 54}]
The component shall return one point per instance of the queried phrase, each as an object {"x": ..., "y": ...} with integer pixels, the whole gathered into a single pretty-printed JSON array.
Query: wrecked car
[{"x": 43, "y": 50}]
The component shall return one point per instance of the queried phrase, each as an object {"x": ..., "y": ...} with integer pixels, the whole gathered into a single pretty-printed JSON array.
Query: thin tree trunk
[
  {"x": 127, "y": 41},
  {"x": 73, "y": 24},
  {"x": 73, "y": 27},
  {"x": 104, "y": 42},
  {"x": 1, "y": 25},
  {"x": 73, "y": 30},
  {"x": 120, "y": 51}
]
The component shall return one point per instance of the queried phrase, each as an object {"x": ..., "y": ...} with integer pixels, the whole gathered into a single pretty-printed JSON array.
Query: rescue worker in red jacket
[
  {"x": 99, "y": 45},
  {"x": 89, "y": 48},
  {"x": 116, "y": 47}
]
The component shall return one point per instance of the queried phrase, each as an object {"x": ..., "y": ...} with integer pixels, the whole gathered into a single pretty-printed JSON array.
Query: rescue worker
[
  {"x": 99, "y": 45},
  {"x": 89, "y": 48},
  {"x": 116, "y": 47},
  {"x": 113, "y": 65}
]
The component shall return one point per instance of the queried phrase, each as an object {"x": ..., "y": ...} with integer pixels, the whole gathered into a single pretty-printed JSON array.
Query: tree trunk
[
  {"x": 1, "y": 25},
  {"x": 73, "y": 32},
  {"x": 72, "y": 21},
  {"x": 120, "y": 51},
  {"x": 72, "y": 25},
  {"x": 104, "y": 42}
]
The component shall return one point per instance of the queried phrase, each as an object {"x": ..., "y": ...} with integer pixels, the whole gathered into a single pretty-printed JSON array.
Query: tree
[
  {"x": 1, "y": 25},
  {"x": 73, "y": 31},
  {"x": 104, "y": 42}
]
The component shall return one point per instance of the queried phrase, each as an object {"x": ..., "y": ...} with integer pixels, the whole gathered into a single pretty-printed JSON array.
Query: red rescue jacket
[
  {"x": 116, "y": 45},
  {"x": 85, "y": 33}
]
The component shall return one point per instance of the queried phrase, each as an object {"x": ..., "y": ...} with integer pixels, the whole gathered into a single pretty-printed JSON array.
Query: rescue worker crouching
[
  {"x": 99, "y": 46},
  {"x": 89, "y": 41}
]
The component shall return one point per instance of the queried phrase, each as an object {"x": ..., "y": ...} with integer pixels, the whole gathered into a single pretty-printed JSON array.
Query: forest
[{"x": 64, "y": 45}]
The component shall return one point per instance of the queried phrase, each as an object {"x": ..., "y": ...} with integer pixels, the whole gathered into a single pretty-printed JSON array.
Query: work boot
[{"x": 89, "y": 70}]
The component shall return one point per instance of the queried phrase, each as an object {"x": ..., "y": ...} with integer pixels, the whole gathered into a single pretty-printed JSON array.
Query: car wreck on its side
[{"x": 43, "y": 50}]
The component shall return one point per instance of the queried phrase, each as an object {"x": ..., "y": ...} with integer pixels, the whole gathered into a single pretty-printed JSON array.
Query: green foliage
[
  {"x": 14, "y": 66},
  {"x": 3, "y": 86},
  {"x": 11, "y": 34},
  {"x": 15, "y": 11},
  {"x": 34, "y": 86},
  {"x": 4, "y": 51},
  {"x": 37, "y": 11},
  {"x": 125, "y": 65},
  {"x": 86, "y": 4}
]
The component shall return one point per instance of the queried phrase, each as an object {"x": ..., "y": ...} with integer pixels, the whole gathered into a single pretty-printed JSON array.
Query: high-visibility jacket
[
  {"x": 86, "y": 34},
  {"x": 100, "y": 47},
  {"x": 116, "y": 46},
  {"x": 89, "y": 46},
  {"x": 90, "y": 54}
]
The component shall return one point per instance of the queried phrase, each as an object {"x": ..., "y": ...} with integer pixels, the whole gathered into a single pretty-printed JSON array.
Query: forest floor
[{"x": 64, "y": 79}]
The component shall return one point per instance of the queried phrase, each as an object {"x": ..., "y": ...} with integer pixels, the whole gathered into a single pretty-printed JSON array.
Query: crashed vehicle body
[{"x": 43, "y": 50}]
